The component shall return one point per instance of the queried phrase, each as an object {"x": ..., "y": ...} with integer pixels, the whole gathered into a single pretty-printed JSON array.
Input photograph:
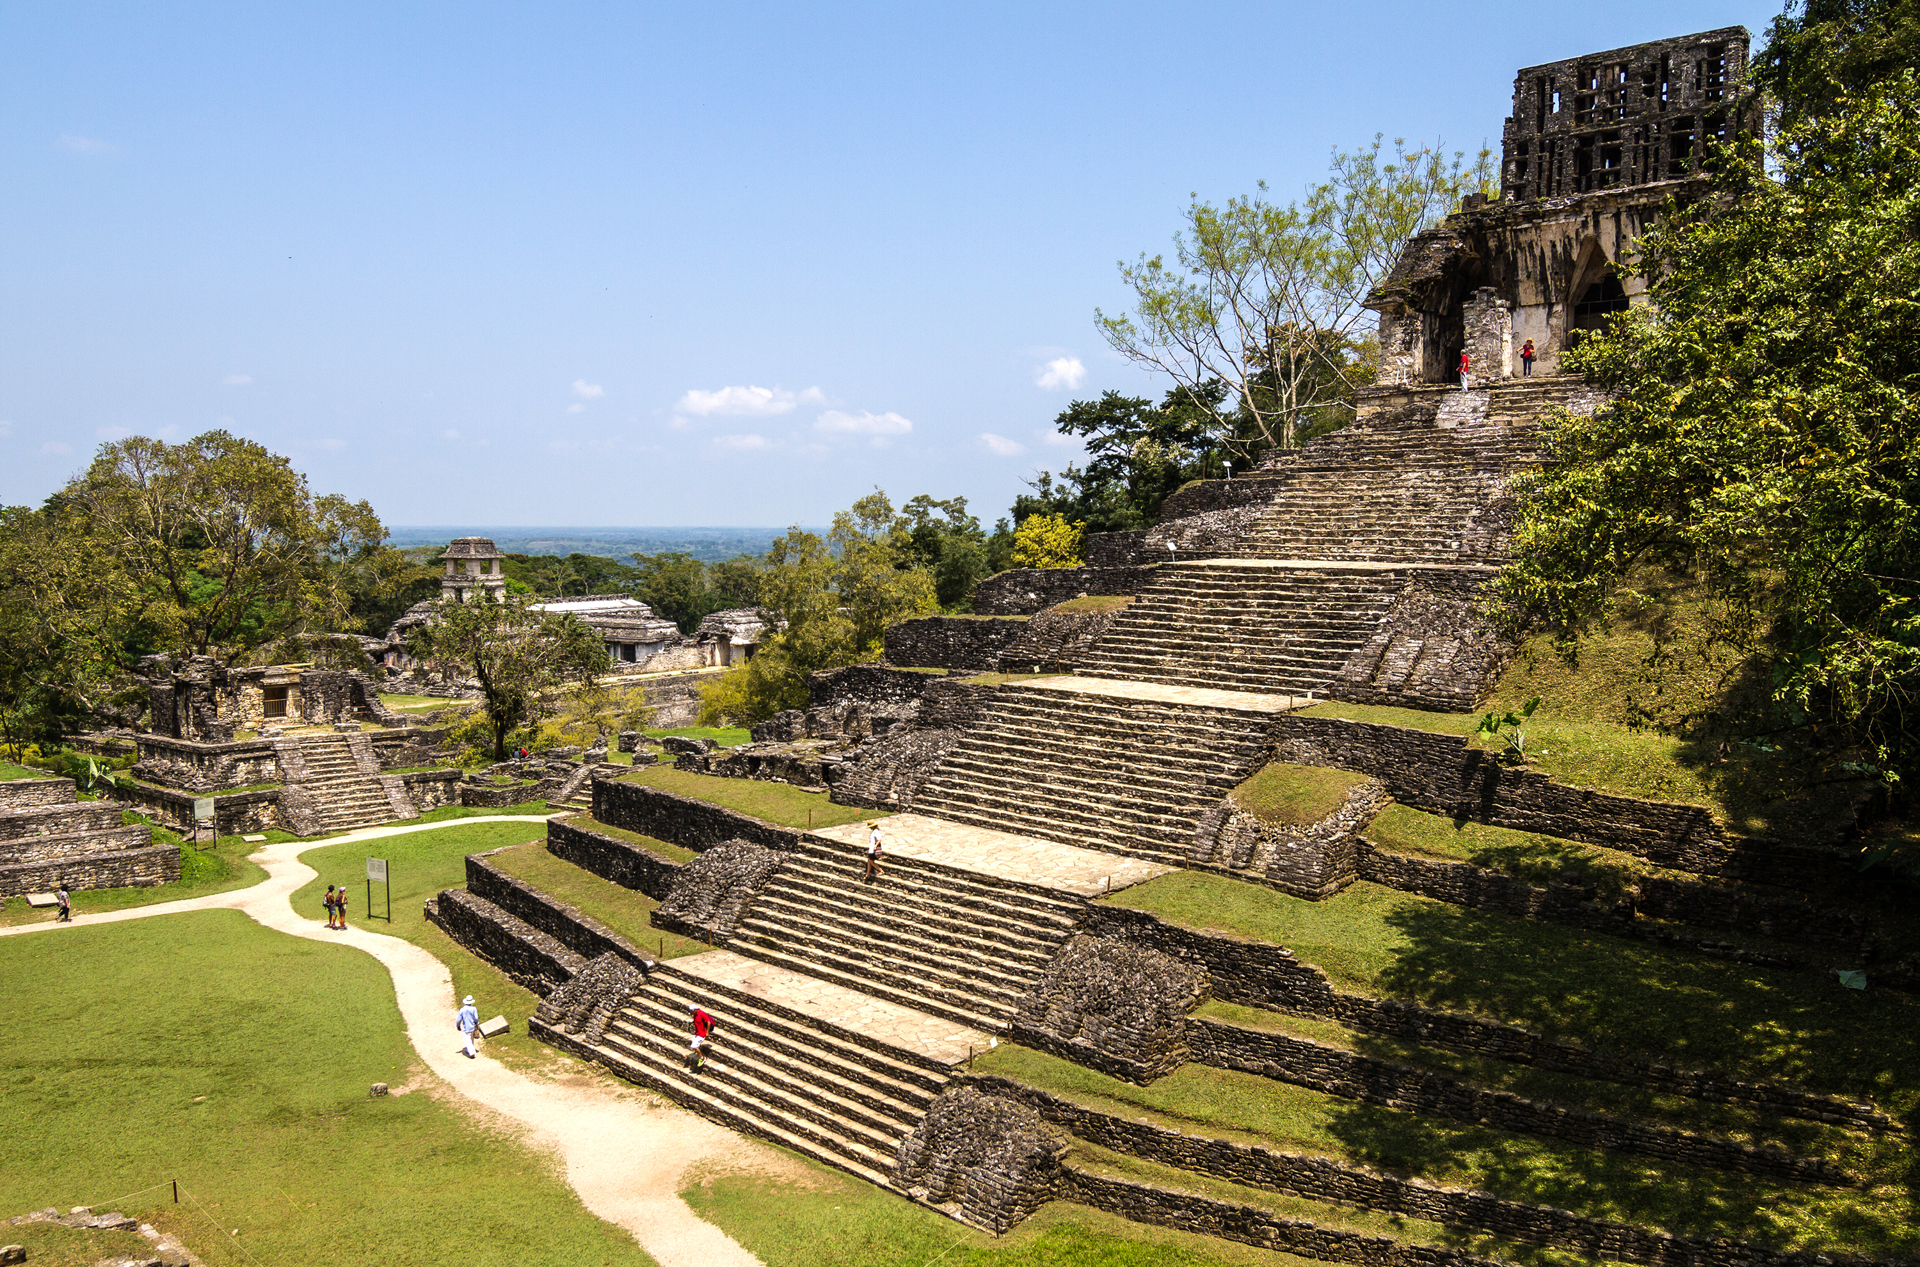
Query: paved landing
[
  {"x": 877, "y": 1019},
  {"x": 1345, "y": 565},
  {"x": 984, "y": 851},
  {"x": 1197, "y": 696}
]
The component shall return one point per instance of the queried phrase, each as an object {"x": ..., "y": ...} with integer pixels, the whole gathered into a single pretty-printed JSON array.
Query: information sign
[{"x": 377, "y": 869}]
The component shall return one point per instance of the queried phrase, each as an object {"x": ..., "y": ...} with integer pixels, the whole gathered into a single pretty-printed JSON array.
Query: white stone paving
[
  {"x": 877, "y": 1019},
  {"x": 1197, "y": 696},
  {"x": 986, "y": 852}
]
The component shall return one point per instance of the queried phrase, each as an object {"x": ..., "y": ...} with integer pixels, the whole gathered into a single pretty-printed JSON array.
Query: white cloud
[
  {"x": 83, "y": 144},
  {"x": 746, "y": 402},
  {"x": 741, "y": 443},
  {"x": 588, "y": 391},
  {"x": 237, "y": 380},
  {"x": 1002, "y": 446},
  {"x": 6, "y": 428},
  {"x": 863, "y": 423},
  {"x": 1061, "y": 374},
  {"x": 1054, "y": 437},
  {"x": 55, "y": 448}
]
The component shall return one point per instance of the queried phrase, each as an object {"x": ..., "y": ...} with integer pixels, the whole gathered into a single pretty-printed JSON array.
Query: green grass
[
  {"x": 1097, "y": 604},
  {"x": 725, "y": 736},
  {"x": 672, "y": 853},
  {"x": 420, "y": 865},
  {"x": 218, "y": 868},
  {"x": 1295, "y": 795},
  {"x": 9, "y": 771},
  {"x": 780, "y": 803},
  {"x": 51, "y": 1245},
  {"x": 1691, "y": 1009},
  {"x": 810, "y": 1216},
  {"x": 235, "y": 1059},
  {"x": 625, "y": 911},
  {"x": 451, "y": 813},
  {"x": 1526, "y": 856},
  {"x": 1001, "y": 679},
  {"x": 1252, "y": 1110}
]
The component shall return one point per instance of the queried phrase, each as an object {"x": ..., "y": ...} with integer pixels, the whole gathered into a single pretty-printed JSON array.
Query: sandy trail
[{"x": 626, "y": 1161}]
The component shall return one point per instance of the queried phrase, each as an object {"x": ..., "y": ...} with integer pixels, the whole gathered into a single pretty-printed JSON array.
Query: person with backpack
[
  {"x": 1526, "y": 359},
  {"x": 333, "y": 916},
  {"x": 66, "y": 905}
]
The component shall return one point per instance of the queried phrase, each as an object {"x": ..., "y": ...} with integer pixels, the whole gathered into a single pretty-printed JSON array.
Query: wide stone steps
[
  {"x": 938, "y": 890},
  {"x": 802, "y": 898},
  {"x": 59, "y": 820},
  {"x": 909, "y": 989}
]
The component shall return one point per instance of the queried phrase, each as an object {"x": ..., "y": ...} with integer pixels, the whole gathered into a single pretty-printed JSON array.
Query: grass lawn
[
  {"x": 421, "y": 864},
  {"x": 1096, "y": 604},
  {"x": 1001, "y": 679},
  {"x": 218, "y": 868},
  {"x": 9, "y": 771},
  {"x": 816, "y": 1215},
  {"x": 673, "y": 853},
  {"x": 1691, "y": 1009},
  {"x": 205, "y": 1048},
  {"x": 780, "y": 803},
  {"x": 625, "y": 911},
  {"x": 1249, "y": 1109},
  {"x": 50, "y": 1245},
  {"x": 1524, "y": 855},
  {"x": 451, "y": 813},
  {"x": 1295, "y": 795},
  {"x": 725, "y": 736}
]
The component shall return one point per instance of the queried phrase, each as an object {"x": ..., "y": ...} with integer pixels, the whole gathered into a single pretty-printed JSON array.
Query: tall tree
[
  {"x": 1765, "y": 432},
  {"x": 521, "y": 658},
  {"x": 943, "y": 538},
  {"x": 1265, "y": 298}
]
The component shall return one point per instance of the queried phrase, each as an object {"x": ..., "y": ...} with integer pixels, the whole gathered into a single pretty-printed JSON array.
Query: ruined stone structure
[
  {"x": 49, "y": 838},
  {"x": 1352, "y": 568},
  {"x": 472, "y": 571}
]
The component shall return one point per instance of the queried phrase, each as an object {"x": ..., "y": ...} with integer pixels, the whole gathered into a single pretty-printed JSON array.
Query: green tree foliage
[
  {"x": 1821, "y": 53},
  {"x": 1766, "y": 434},
  {"x": 944, "y": 539},
  {"x": 1138, "y": 453},
  {"x": 1265, "y": 298},
  {"x": 212, "y": 546},
  {"x": 521, "y": 658},
  {"x": 569, "y": 576},
  {"x": 684, "y": 590},
  {"x": 1047, "y": 541},
  {"x": 829, "y": 602}
]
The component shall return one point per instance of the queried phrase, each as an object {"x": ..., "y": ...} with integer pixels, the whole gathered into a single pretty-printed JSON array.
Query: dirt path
[{"x": 625, "y": 1160}]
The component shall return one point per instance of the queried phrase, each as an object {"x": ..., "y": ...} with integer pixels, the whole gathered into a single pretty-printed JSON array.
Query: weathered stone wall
[
  {"x": 681, "y": 820},
  {"x": 234, "y": 814},
  {"x": 1054, "y": 641},
  {"x": 972, "y": 643},
  {"x": 1261, "y": 974},
  {"x": 1117, "y": 1007},
  {"x": 1335, "y": 1071},
  {"x": 533, "y": 959},
  {"x": 29, "y": 793},
  {"x": 1116, "y": 549},
  {"x": 675, "y": 700},
  {"x": 431, "y": 789},
  {"x": 710, "y": 893},
  {"x": 1025, "y": 591},
  {"x": 73, "y": 838},
  {"x": 1203, "y": 497},
  {"x": 206, "y": 767},
  {"x": 1434, "y": 651},
  {"x": 876, "y": 687},
  {"x": 1441, "y": 774},
  {"x": 888, "y": 772},
  {"x": 1313, "y": 861},
  {"x": 578, "y": 932},
  {"x": 587, "y": 1003},
  {"x": 627, "y": 865},
  {"x": 992, "y": 1156},
  {"x": 139, "y": 867},
  {"x": 411, "y": 746},
  {"x": 1323, "y": 1179}
]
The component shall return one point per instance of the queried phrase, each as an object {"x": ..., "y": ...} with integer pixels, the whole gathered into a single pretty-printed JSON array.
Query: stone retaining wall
[
  {"x": 533, "y": 959},
  {"x": 681, "y": 820},
  {"x": 1335, "y": 1071},
  {"x": 118, "y": 869},
  {"x": 32, "y": 793},
  {"x": 1261, "y": 974},
  {"x": 1324, "y": 1179},
  {"x": 431, "y": 789},
  {"x": 1024, "y": 591},
  {"x": 878, "y": 688},
  {"x": 1441, "y": 774},
  {"x": 234, "y": 814},
  {"x": 972, "y": 643},
  {"x": 1434, "y": 651},
  {"x": 578, "y": 932},
  {"x": 206, "y": 767},
  {"x": 627, "y": 865}
]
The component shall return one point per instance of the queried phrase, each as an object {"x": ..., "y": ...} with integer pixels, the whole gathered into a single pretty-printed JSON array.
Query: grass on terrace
[
  {"x": 10, "y": 771},
  {"x": 236, "y": 1059},
  {"x": 217, "y": 868},
  {"x": 50, "y": 1245},
  {"x": 1690, "y": 1009},
  {"x": 421, "y": 864},
  {"x": 1249, "y": 1109},
  {"x": 1295, "y": 795},
  {"x": 1094, "y": 604},
  {"x": 780, "y": 803},
  {"x": 725, "y": 736},
  {"x": 625, "y": 911},
  {"x": 1526, "y": 856}
]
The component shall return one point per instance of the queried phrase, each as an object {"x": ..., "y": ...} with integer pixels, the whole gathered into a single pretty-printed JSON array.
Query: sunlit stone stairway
[
  {"x": 343, "y": 794},
  {"x": 1128, "y": 775}
]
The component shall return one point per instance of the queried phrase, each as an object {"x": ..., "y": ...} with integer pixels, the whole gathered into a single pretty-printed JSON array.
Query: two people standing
[{"x": 336, "y": 906}]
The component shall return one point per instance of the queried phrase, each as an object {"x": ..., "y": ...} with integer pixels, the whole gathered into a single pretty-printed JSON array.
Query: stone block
[
  {"x": 681, "y": 745},
  {"x": 13, "y": 1253},
  {"x": 40, "y": 900},
  {"x": 493, "y": 1028},
  {"x": 377, "y": 1089},
  {"x": 346, "y": 727}
]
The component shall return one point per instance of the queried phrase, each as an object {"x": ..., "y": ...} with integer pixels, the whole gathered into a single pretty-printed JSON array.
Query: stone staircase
[
  {"x": 933, "y": 938},
  {"x": 835, "y": 1095},
  {"x": 1128, "y": 776},
  {"x": 1240, "y": 626},
  {"x": 344, "y": 786}
]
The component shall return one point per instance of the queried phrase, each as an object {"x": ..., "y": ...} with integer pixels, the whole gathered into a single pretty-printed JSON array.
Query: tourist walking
[
  {"x": 65, "y": 914},
  {"x": 467, "y": 1021},
  {"x": 1466, "y": 378},
  {"x": 1526, "y": 359},
  {"x": 696, "y": 1054},
  {"x": 703, "y": 1022},
  {"x": 873, "y": 854}
]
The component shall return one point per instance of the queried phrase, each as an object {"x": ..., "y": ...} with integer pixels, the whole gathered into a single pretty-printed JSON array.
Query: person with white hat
[{"x": 467, "y": 1021}]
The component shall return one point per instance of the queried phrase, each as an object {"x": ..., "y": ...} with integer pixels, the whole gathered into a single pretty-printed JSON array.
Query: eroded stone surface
[{"x": 1082, "y": 872}]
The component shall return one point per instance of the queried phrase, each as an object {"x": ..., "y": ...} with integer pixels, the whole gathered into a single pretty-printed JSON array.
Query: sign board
[
  {"x": 203, "y": 808},
  {"x": 377, "y": 869}
]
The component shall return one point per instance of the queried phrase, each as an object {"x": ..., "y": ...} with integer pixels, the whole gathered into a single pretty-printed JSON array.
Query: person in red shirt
[
  {"x": 703, "y": 1022},
  {"x": 1526, "y": 359},
  {"x": 1466, "y": 379}
]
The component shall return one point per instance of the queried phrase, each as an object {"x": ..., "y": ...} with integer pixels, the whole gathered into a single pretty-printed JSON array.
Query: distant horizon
[{"x": 708, "y": 543}]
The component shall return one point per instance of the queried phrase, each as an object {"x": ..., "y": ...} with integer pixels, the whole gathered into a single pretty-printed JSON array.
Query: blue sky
[{"x": 650, "y": 264}]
